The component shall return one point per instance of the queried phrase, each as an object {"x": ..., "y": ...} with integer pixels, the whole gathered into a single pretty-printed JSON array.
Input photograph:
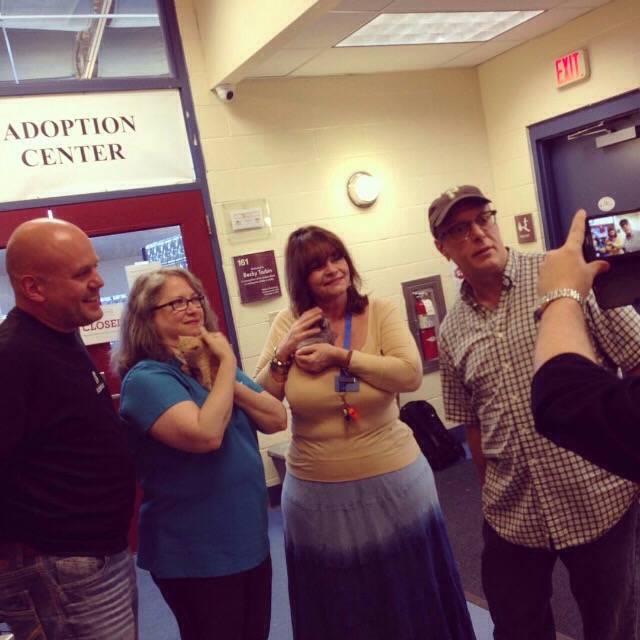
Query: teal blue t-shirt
[{"x": 202, "y": 514}]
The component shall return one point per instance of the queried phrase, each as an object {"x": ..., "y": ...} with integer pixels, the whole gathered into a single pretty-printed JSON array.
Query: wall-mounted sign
[
  {"x": 92, "y": 142},
  {"x": 257, "y": 275},
  {"x": 106, "y": 329},
  {"x": 246, "y": 219},
  {"x": 571, "y": 67},
  {"x": 524, "y": 228},
  {"x": 133, "y": 271}
]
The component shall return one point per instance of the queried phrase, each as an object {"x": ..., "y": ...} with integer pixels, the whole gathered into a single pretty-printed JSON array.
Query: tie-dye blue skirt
[{"x": 370, "y": 560}]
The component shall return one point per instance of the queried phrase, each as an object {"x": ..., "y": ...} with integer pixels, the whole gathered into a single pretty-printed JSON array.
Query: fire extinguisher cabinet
[{"x": 424, "y": 301}]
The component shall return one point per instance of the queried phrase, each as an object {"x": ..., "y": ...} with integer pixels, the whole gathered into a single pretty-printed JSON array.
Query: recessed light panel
[{"x": 435, "y": 28}]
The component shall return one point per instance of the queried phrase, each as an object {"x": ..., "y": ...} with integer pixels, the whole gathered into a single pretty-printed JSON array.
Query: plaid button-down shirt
[{"x": 535, "y": 494}]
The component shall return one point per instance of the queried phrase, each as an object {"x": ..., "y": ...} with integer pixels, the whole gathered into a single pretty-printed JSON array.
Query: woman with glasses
[
  {"x": 203, "y": 517},
  {"x": 613, "y": 244}
]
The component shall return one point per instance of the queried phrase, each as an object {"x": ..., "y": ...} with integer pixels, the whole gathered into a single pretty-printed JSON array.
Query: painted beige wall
[
  {"x": 229, "y": 47},
  {"x": 518, "y": 89},
  {"x": 295, "y": 142}
]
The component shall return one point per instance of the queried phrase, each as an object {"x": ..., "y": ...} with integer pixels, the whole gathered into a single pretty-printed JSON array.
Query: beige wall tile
[
  {"x": 212, "y": 121},
  {"x": 200, "y": 90}
]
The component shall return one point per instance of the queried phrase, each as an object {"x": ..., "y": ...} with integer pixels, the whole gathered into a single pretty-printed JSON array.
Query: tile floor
[{"x": 157, "y": 622}]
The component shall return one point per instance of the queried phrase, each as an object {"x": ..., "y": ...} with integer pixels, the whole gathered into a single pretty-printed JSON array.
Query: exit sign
[{"x": 572, "y": 67}]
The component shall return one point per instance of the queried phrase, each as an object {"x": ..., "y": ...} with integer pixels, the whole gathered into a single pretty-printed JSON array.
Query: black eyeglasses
[
  {"x": 181, "y": 304},
  {"x": 461, "y": 231}
]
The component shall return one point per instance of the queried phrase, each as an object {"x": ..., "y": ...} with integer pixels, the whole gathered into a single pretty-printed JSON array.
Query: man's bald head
[
  {"x": 52, "y": 267},
  {"x": 36, "y": 243}
]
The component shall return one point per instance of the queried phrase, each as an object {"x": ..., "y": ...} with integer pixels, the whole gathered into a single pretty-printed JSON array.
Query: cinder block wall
[
  {"x": 518, "y": 89},
  {"x": 295, "y": 142}
]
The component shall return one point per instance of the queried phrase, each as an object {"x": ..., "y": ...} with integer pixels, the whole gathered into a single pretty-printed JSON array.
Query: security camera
[{"x": 225, "y": 92}]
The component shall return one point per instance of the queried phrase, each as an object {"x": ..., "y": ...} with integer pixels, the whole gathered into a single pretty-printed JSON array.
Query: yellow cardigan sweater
[{"x": 326, "y": 448}]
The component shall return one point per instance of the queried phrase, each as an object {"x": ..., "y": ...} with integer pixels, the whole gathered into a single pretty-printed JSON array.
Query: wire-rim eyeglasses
[
  {"x": 461, "y": 231},
  {"x": 182, "y": 304}
]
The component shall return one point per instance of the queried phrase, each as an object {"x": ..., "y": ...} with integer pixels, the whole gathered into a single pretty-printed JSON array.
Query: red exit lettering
[{"x": 571, "y": 68}]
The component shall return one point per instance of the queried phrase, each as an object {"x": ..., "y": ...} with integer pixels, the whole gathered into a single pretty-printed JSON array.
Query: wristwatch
[{"x": 544, "y": 301}]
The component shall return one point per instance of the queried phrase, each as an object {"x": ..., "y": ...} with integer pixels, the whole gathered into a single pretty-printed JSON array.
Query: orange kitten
[{"x": 201, "y": 361}]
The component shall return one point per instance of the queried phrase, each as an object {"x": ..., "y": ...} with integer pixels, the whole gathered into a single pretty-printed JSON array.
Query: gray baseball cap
[{"x": 440, "y": 207}]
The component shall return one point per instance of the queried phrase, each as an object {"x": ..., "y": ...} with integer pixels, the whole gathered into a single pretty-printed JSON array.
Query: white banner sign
[{"x": 58, "y": 145}]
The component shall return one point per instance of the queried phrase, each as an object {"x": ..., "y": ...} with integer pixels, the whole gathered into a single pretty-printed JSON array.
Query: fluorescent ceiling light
[{"x": 435, "y": 28}]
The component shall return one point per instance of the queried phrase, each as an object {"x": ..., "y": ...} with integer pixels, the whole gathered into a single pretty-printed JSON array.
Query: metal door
[{"x": 575, "y": 170}]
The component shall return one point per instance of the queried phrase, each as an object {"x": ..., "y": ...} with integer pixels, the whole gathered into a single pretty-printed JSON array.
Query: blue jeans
[
  {"x": 518, "y": 587},
  {"x": 46, "y": 597}
]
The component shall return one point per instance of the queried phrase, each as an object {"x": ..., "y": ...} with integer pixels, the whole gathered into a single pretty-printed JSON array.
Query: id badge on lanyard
[{"x": 345, "y": 381}]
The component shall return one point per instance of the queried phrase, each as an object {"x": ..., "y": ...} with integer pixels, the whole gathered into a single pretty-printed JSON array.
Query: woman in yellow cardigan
[{"x": 367, "y": 551}]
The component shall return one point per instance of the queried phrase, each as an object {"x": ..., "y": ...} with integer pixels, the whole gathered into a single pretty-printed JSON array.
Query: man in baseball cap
[
  {"x": 540, "y": 501},
  {"x": 443, "y": 204}
]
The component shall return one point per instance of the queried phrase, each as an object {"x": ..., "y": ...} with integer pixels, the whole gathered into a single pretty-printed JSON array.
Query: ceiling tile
[
  {"x": 330, "y": 29},
  {"x": 591, "y": 4},
  {"x": 543, "y": 23},
  {"x": 284, "y": 62},
  {"x": 483, "y": 52},
  {"x": 407, "y": 6},
  {"x": 382, "y": 59},
  {"x": 311, "y": 52},
  {"x": 363, "y": 5}
]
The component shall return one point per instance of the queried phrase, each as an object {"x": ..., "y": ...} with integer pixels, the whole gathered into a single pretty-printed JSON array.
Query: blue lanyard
[
  {"x": 347, "y": 331},
  {"x": 346, "y": 382}
]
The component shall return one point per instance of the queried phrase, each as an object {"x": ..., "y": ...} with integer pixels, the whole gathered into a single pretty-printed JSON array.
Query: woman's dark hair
[
  {"x": 308, "y": 249},
  {"x": 139, "y": 339}
]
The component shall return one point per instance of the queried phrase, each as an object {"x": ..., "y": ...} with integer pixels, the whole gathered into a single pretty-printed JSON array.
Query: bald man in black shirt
[{"x": 67, "y": 488}]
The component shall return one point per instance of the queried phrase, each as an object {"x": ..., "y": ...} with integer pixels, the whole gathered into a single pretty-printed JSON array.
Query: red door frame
[{"x": 103, "y": 217}]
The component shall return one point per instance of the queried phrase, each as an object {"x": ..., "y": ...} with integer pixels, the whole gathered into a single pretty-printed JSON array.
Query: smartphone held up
[{"x": 615, "y": 237}]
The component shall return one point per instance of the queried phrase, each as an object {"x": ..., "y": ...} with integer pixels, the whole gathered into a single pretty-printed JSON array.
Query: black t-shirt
[
  {"x": 584, "y": 408},
  {"x": 67, "y": 480}
]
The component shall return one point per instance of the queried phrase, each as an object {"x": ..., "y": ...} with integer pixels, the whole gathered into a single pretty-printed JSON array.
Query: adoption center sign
[{"x": 59, "y": 145}]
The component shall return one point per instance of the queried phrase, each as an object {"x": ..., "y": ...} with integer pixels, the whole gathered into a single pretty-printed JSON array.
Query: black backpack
[{"x": 439, "y": 447}]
